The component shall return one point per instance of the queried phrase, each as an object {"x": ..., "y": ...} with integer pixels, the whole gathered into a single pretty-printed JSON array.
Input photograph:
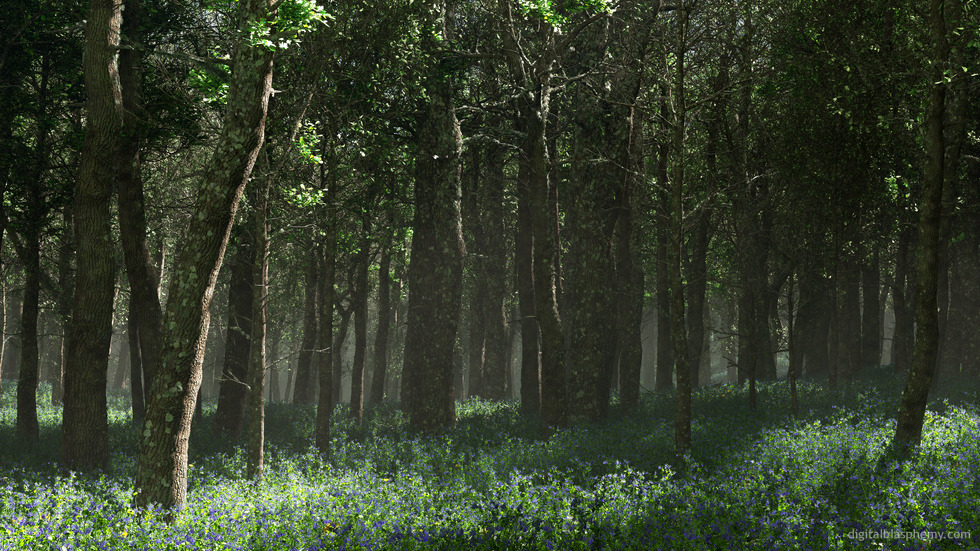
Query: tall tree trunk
[
  {"x": 144, "y": 280},
  {"x": 360, "y": 299},
  {"x": 255, "y": 438},
  {"x": 476, "y": 268},
  {"x": 697, "y": 285},
  {"x": 27, "y": 379},
  {"x": 495, "y": 365},
  {"x": 232, "y": 391},
  {"x": 870, "y": 327},
  {"x": 665, "y": 354},
  {"x": 523, "y": 255},
  {"x": 328, "y": 273},
  {"x": 135, "y": 368},
  {"x": 385, "y": 319},
  {"x": 590, "y": 219},
  {"x": 85, "y": 428},
  {"x": 30, "y": 257},
  {"x": 436, "y": 267},
  {"x": 682, "y": 429},
  {"x": 339, "y": 338},
  {"x": 908, "y": 430},
  {"x": 903, "y": 303},
  {"x": 303, "y": 393},
  {"x": 161, "y": 475}
]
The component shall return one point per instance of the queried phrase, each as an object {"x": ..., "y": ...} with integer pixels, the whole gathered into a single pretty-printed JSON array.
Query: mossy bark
[
  {"x": 436, "y": 266},
  {"x": 161, "y": 476}
]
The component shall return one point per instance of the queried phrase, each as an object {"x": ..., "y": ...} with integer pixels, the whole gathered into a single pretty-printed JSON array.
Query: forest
[{"x": 489, "y": 274}]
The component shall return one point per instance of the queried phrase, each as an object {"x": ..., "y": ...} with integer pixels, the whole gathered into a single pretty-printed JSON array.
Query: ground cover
[{"x": 760, "y": 480}]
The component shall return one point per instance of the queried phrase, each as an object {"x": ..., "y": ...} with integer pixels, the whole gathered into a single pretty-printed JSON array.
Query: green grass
[{"x": 759, "y": 480}]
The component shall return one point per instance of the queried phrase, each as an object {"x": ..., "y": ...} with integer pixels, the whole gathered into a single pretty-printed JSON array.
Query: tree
[
  {"x": 85, "y": 442},
  {"x": 144, "y": 281},
  {"x": 162, "y": 467},
  {"x": 908, "y": 430},
  {"x": 436, "y": 267}
]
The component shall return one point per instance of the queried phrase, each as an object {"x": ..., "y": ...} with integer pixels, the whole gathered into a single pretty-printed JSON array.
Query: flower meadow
[{"x": 758, "y": 480}]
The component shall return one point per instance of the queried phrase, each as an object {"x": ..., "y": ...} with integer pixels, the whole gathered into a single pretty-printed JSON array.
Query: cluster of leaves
[{"x": 819, "y": 482}]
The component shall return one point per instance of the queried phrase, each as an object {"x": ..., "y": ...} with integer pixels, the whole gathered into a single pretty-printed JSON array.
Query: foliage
[{"x": 489, "y": 483}]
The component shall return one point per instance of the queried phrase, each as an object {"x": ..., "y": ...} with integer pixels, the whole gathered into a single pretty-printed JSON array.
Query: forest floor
[{"x": 760, "y": 480}]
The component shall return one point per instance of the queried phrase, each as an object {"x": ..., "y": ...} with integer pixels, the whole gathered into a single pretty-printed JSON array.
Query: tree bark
[
  {"x": 385, "y": 319},
  {"x": 232, "y": 390},
  {"x": 85, "y": 427},
  {"x": 328, "y": 273},
  {"x": 665, "y": 355},
  {"x": 162, "y": 466},
  {"x": 303, "y": 393},
  {"x": 255, "y": 439},
  {"x": 870, "y": 328},
  {"x": 436, "y": 267},
  {"x": 144, "y": 280},
  {"x": 682, "y": 428},
  {"x": 495, "y": 363},
  {"x": 908, "y": 430},
  {"x": 360, "y": 300}
]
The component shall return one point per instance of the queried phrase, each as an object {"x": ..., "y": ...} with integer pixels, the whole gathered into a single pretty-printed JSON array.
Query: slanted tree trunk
[
  {"x": 144, "y": 280},
  {"x": 232, "y": 390},
  {"x": 303, "y": 393},
  {"x": 135, "y": 368},
  {"x": 436, "y": 267},
  {"x": 908, "y": 430},
  {"x": 85, "y": 427},
  {"x": 161, "y": 475}
]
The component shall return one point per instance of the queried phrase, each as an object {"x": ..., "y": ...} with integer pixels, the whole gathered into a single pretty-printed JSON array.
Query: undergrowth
[{"x": 758, "y": 480}]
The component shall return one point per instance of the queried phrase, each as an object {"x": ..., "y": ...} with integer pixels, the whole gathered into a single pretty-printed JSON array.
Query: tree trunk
[
  {"x": 135, "y": 368},
  {"x": 122, "y": 368},
  {"x": 85, "y": 428},
  {"x": 908, "y": 430},
  {"x": 665, "y": 355},
  {"x": 232, "y": 389},
  {"x": 495, "y": 363},
  {"x": 385, "y": 315},
  {"x": 325, "y": 349},
  {"x": 590, "y": 220},
  {"x": 682, "y": 429},
  {"x": 523, "y": 255},
  {"x": 436, "y": 267},
  {"x": 903, "y": 303},
  {"x": 697, "y": 285},
  {"x": 303, "y": 393},
  {"x": 161, "y": 476},
  {"x": 255, "y": 439},
  {"x": 30, "y": 253},
  {"x": 870, "y": 320},
  {"x": 27, "y": 379},
  {"x": 144, "y": 281},
  {"x": 360, "y": 300},
  {"x": 476, "y": 269}
]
